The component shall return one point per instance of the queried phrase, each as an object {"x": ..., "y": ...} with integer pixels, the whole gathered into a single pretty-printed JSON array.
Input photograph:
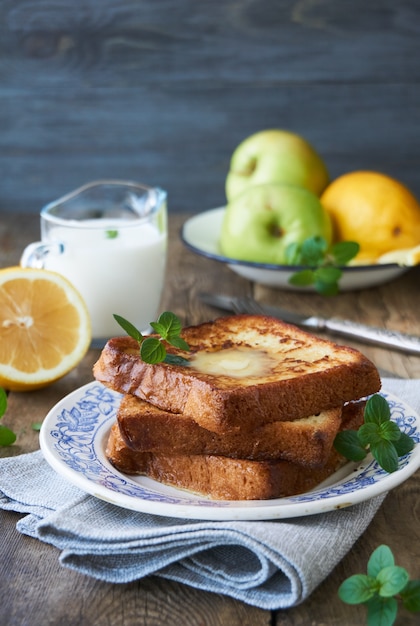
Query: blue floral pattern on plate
[{"x": 73, "y": 439}]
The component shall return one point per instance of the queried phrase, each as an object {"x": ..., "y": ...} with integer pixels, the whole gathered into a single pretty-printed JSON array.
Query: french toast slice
[
  {"x": 308, "y": 440},
  {"x": 242, "y": 371},
  {"x": 224, "y": 478}
]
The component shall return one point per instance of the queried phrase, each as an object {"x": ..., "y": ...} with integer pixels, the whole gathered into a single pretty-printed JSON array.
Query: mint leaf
[
  {"x": 179, "y": 342},
  {"x": 7, "y": 436},
  {"x": 381, "y": 611},
  {"x": 357, "y": 589},
  {"x": 111, "y": 234},
  {"x": 152, "y": 351},
  {"x": 380, "y": 558},
  {"x": 314, "y": 255},
  {"x": 347, "y": 444},
  {"x": 386, "y": 455},
  {"x": 328, "y": 274},
  {"x": 312, "y": 251},
  {"x": 170, "y": 323},
  {"x": 324, "y": 285},
  {"x": 369, "y": 433},
  {"x": 344, "y": 251},
  {"x": 129, "y": 328},
  {"x": 3, "y": 402},
  {"x": 404, "y": 445},
  {"x": 379, "y": 590},
  {"x": 176, "y": 359},
  {"x": 411, "y": 596},
  {"x": 379, "y": 434},
  {"x": 377, "y": 409},
  {"x": 160, "y": 329},
  {"x": 390, "y": 431},
  {"x": 392, "y": 580},
  {"x": 303, "y": 278},
  {"x": 325, "y": 279}
]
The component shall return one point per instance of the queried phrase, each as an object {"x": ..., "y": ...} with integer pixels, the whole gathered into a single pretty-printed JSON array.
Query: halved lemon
[
  {"x": 408, "y": 257},
  {"x": 45, "y": 328}
]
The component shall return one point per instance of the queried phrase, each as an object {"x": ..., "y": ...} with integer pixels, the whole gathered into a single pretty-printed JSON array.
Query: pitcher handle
[{"x": 34, "y": 254}]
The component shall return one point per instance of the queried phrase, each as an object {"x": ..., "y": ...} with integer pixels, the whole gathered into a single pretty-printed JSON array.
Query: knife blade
[{"x": 360, "y": 332}]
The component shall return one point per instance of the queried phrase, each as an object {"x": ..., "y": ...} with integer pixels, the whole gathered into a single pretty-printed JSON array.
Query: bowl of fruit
[{"x": 287, "y": 225}]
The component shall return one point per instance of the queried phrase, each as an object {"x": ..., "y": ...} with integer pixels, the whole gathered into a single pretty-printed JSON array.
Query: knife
[{"x": 347, "y": 328}]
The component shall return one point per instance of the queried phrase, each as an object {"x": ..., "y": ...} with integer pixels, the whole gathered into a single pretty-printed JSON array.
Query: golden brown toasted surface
[
  {"x": 295, "y": 375},
  {"x": 308, "y": 441},
  {"x": 224, "y": 478}
]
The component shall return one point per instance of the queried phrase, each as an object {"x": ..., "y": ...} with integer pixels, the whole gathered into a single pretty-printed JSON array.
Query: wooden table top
[{"x": 36, "y": 590}]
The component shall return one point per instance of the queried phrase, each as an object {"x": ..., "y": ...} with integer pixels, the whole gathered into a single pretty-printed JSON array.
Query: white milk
[{"x": 122, "y": 274}]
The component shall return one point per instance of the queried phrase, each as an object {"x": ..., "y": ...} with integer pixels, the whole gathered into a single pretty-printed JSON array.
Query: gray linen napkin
[{"x": 270, "y": 564}]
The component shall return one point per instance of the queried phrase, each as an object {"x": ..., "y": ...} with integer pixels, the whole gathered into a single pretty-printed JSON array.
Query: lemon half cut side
[
  {"x": 45, "y": 328},
  {"x": 408, "y": 257}
]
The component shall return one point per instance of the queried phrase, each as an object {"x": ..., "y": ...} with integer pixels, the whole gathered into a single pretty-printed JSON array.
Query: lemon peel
[{"x": 375, "y": 210}]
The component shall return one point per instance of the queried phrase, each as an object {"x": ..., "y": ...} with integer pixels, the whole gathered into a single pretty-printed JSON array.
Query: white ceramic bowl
[{"x": 200, "y": 233}]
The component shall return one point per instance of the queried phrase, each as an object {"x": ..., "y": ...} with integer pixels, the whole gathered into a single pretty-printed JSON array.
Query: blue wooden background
[{"x": 161, "y": 91}]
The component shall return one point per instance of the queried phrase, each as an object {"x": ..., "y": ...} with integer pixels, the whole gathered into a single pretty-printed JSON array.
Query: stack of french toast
[{"x": 251, "y": 414}]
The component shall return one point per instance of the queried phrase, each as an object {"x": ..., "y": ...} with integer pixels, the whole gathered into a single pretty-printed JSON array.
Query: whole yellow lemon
[{"x": 375, "y": 210}]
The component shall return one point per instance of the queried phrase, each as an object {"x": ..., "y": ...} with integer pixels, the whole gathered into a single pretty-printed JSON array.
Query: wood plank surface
[
  {"x": 36, "y": 591},
  {"x": 162, "y": 92}
]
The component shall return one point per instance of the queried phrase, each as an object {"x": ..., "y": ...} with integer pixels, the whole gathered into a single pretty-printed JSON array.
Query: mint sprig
[
  {"x": 322, "y": 263},
  {"x": 152, "y": 350},
  {"x": 7, "y": 436},
  {"x": 380, "y": 589},
  {"x": 378, "y": 434}
]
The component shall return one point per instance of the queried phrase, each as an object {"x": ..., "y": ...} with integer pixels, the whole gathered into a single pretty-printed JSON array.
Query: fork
[{"x": 247, "y": 305}]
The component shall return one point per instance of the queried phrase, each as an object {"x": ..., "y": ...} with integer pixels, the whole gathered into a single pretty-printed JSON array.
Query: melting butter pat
[{"x": 234, "y": 362}]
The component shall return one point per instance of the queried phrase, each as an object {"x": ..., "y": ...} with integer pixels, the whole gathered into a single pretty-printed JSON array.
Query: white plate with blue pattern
[{"x": 74, "y": 435}]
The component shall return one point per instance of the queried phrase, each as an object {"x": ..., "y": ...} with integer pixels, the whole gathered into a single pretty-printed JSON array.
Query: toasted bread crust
[
  {"x": 223, "y": 478},
  {"x": 308, "y": 375},
  {"x": 216, "y": 477},
  {"x": 308, "y": 441}
]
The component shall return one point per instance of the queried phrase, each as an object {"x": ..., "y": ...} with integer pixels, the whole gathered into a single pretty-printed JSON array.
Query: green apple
[
  {"x": 275, "y": 156},
  {"x": 259, "y": 224}
]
